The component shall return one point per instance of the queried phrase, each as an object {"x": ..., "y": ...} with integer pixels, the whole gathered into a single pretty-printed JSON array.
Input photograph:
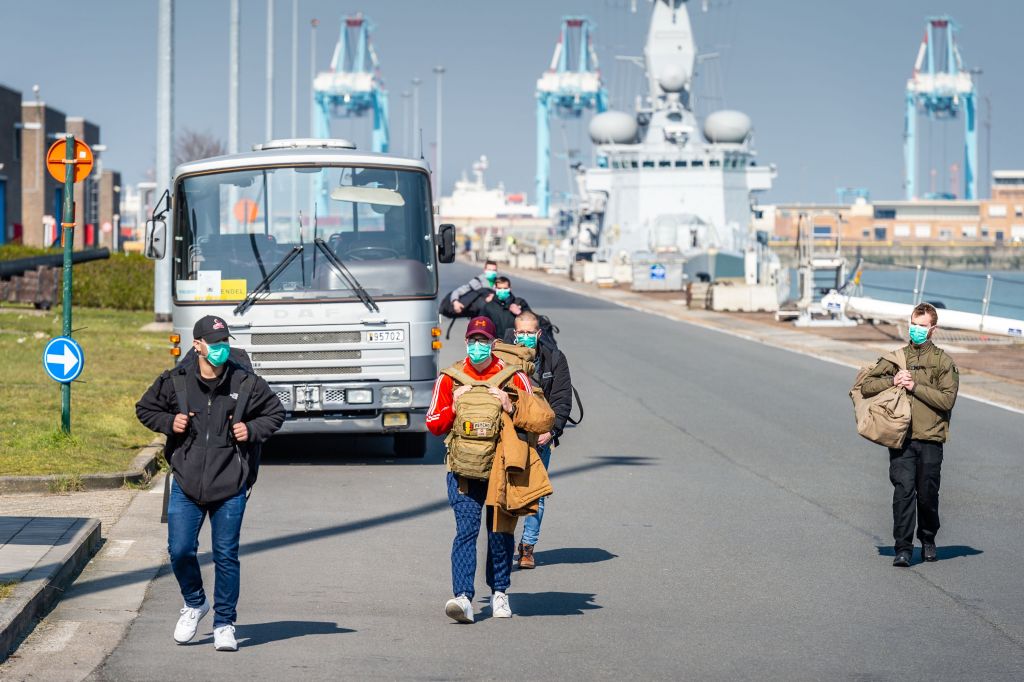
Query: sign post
[{"x": 73, "y": 167}]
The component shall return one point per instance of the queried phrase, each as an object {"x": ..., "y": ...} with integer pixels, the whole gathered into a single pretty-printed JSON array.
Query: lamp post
[
  {"x": 416, "y": 146},
  {"x": 439, "y": 70},
  {"x": 406, "y": 137}
]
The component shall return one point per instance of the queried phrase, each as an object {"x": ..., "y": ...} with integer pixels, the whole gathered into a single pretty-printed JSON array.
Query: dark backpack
[
  {"x": 472, "y": 300},
  {"x": 252, "y": 451}
]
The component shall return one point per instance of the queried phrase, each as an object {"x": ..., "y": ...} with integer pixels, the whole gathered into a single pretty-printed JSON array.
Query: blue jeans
[
  {"x": 467, "y": 508},
  {"x": 531, "y": 525},
  {"x": 184, "y": 519}
]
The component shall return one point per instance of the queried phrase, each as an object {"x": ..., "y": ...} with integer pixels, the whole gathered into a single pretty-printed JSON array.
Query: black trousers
[{"x": 915, "y": 471}]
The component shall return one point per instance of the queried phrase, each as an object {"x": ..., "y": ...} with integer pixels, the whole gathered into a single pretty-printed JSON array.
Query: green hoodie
[{"x": 936, "y": 381}]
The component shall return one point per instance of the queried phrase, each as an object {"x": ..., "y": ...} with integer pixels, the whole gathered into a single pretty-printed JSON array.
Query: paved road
[{"x": 715, "y": 517}]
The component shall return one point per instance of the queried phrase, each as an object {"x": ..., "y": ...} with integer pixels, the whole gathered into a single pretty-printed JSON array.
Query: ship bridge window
[
  {"x": 664, "y": 164},
  {"x": 714, "y": 163},
  {"x": 680, "y": 164},
  {"x": 697, "y": 163},
  {"x": 615, "y": 164},
  {"x": 648, "y": 164},
  {"x": 633, "y": 165}
]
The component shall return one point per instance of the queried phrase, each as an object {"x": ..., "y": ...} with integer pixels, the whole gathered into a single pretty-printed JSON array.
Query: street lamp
[
  {"x": 439, "y": 70},
  {"x": 406, "y": 136},
  {"x": 416, "y": 116}
]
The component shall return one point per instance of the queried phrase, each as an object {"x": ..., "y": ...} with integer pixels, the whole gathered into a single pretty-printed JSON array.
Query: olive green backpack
[{"x": 474, "y": 435}]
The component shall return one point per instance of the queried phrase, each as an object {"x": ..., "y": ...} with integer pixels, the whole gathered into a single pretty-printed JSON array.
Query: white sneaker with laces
[
  {"x": 459, "y": 609},
  {"x": 499, "y": 605},
  {"x": 188, "y": 623},
  {"x": 224, "y": 638}
]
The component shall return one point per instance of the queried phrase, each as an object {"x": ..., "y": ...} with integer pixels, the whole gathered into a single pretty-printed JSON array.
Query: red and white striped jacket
[{"x": 441, "y": 414}]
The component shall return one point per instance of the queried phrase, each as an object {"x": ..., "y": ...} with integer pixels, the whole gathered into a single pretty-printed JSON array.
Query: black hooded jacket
[
  {"x": 208, "y": 463},
  {"x": 551, "y": 373},
  {"x": 498, "y": 310}
]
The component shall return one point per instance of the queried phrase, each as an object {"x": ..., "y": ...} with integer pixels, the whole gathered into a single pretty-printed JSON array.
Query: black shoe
[
  {"x": 928, "y": 553},
  {"x": 902, "y": 559}
]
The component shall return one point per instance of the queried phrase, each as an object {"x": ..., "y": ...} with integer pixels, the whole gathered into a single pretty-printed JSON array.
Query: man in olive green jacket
[{"x": 931, "y": 381}]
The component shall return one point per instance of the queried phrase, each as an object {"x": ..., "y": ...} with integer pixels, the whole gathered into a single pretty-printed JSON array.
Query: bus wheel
[{"x": 410, "y": 444}]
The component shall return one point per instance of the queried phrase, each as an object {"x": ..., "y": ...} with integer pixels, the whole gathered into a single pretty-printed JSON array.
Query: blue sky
[{"x": 823, "y": 80}]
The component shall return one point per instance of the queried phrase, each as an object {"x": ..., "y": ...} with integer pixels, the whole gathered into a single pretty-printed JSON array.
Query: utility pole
[
  {"x": 295, "y": 98},
  {"x": 417, "y": 148},
  {"x": 312, "y": 76},
  {"x": 406, "y": 137},
  {"x": 439, "y": 70},
  {"x": 269, "y": 134},
  {"x": 164, "y": 144},
  {"x": 233, "y": 79}
]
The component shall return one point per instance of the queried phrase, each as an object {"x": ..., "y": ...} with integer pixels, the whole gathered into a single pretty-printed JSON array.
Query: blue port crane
[
  {"x": 352, "y": 86},
  {"x": 571, "y": 85},
  {"x": 940, "y": 88}
]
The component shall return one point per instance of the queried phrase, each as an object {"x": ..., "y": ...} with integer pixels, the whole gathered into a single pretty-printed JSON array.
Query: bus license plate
[{"x": 386, "y": 336}]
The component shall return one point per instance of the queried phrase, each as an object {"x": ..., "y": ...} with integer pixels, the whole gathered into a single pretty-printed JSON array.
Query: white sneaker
[
  {"x": 224, "y": 638},
  {"x": 459, "y": 609},
  {"x": 499, "y": 605},
  {"x": 187, "y": 625}
]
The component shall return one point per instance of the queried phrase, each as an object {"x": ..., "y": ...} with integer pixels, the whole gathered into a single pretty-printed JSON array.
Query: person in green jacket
[{"x": 931, "y": 380}]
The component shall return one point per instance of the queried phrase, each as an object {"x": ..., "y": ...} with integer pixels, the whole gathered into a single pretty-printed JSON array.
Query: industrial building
[{"x": 30, "y": 199}]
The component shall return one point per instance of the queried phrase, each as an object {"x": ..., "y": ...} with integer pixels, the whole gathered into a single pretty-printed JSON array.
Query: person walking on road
[
  {"x": 503, "y": 306},
  {"x": 482, "y": 282},
  {"x": 931, "y": 380},
  {"x": 215, "y": 413},
  {"x": 551, "y": 373},
  {"x": 460, "y": 416}
]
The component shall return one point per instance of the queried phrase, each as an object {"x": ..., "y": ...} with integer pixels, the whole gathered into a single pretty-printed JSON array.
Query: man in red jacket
[{"x": 466, "y": 496}]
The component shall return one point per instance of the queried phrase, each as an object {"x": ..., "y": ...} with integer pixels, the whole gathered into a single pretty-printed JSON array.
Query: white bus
[{"x": 324, "y": 262}]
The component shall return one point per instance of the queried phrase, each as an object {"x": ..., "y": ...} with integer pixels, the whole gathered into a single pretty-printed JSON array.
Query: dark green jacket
[{"x": 936, "y": 381}]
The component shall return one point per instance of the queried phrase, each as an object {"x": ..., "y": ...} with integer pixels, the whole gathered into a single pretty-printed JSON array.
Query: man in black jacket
[
  {"x": 551, "y": 373},
  {"x": 502, "y": 307},
  {"x": 215, "y": 413}
]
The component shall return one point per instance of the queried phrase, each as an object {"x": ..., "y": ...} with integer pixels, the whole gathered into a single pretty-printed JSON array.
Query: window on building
[
  {"x": 822, "y": 231},
  {"x": 885, "y": 213},
  {"x": 17, "y": 143},
  {"x": 664, "y": 164},
  {"x": 714, "y": 163},
  {"x": 968, "y": 231},
  {"x": 680, "y": 164},
  {"x": 945, "y": 233},
  {"x": 1017, "y": 232},
  {"x": 996, "y": 210},
  {"x": 866, "y": 233},
  {"x": 922, "y": 231},
  {"x": 880, "y": 234},
  {"x": 984, "y": 231},
  {"x": 901, "y": 230},
  {"x": 648, "y": 164},
  {"x": 697, "y": 163},
  {"x": 1018, "y": 211}
]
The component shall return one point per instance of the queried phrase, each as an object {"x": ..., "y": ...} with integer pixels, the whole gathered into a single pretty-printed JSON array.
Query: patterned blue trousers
[{"x": 467, "y": 508}]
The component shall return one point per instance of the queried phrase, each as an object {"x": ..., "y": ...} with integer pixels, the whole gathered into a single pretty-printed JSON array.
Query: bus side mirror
[
  {"x": 156, "y": 239},
  {"x": 446, "y": 247}
]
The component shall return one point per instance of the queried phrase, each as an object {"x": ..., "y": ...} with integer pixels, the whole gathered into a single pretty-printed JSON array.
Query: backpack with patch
[
  {"x": 883, "y": 418},
  {"x": 473, "y": 439}
]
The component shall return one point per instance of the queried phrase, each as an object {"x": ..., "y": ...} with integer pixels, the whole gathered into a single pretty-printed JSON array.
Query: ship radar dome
[
  {"x": 727, "y": 126},
  {"x": 672, "y": 78},
  {"x": 613, "y": 127}
]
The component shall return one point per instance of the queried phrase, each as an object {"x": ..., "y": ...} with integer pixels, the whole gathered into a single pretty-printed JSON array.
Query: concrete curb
[
  {"x": 142, "y": 469},
  {"x": 45, "y": 584}
]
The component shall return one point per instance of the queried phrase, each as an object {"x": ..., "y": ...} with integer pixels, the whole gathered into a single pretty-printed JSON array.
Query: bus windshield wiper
[
  {"x": 346, "y": 275},
  {"x": 262, "y": 289}
]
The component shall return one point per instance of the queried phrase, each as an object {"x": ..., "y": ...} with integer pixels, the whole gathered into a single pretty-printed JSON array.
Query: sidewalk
[
  {"x": 979, "y": 386},
  {"x": 39, "y": 558}
]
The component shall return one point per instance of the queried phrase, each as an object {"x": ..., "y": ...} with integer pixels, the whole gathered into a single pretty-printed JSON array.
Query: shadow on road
[
  {"x": 343, "y": 449},
  {"x": 528, "y": 604},
  {"x": 573, "y": 555},
  {"x": 261, "y": 633},
  {"x": 941, "y": 552}
]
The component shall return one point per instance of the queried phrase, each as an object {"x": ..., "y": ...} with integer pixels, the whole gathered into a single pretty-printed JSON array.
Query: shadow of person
[
  {"x": 254, "y": 634},
  {"x": 573, "y": 555},
  {"x": 941, "y": 552},
  {"x": 528, "y": 604}
]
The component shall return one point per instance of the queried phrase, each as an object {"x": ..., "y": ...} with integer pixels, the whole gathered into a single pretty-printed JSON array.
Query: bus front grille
[
  {"x": 285, "y": 356},
  {"x": 287, "y": 338},
  {"x": 308, "y": 371}
]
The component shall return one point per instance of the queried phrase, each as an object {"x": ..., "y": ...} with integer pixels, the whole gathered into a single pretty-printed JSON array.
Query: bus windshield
[{"x": 233, "y": 228}]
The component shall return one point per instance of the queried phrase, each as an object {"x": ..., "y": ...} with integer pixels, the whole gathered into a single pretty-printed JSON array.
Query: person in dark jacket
[
  {"x": 551, "y": 373},
  {"x": 215, "y": 413},
  {"x": 503, "y": 306}
]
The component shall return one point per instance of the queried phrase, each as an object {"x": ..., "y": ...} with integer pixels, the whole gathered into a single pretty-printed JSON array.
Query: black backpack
[
  {"x": 472, "y": 300},
  {"x": 253, "y": 451}
]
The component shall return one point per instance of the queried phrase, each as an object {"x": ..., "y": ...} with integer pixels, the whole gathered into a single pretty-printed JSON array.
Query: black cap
[{"x": 211, "y": 329}]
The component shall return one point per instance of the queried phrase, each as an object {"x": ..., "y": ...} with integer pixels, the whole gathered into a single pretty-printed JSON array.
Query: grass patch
[
  {"x": 7, "y": 588},
  {"x": 67, "y": 483},
  {"x": 120, "y": 364}
]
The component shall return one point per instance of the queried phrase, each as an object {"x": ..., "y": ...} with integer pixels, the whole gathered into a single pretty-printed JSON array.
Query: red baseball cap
[{"x": 481, "y": 326}]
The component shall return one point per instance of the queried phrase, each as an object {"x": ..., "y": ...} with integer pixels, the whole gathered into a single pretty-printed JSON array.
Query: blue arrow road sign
[{"x": 63, "y": 359}]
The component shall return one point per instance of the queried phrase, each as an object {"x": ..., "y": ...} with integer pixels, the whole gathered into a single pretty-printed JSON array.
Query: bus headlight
[
  {"x": 396, "y": 396},
  {"x": 359, "y": 396}
]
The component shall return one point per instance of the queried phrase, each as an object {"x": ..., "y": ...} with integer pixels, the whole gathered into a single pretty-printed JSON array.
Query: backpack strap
[
  {"x": 461, "y": 377},
  {"x": 180, "y": 392},
  {"x": 501, "y": 378},
  {"x": 242, "y": 402},
  {"x": 576, "y": 396}
]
